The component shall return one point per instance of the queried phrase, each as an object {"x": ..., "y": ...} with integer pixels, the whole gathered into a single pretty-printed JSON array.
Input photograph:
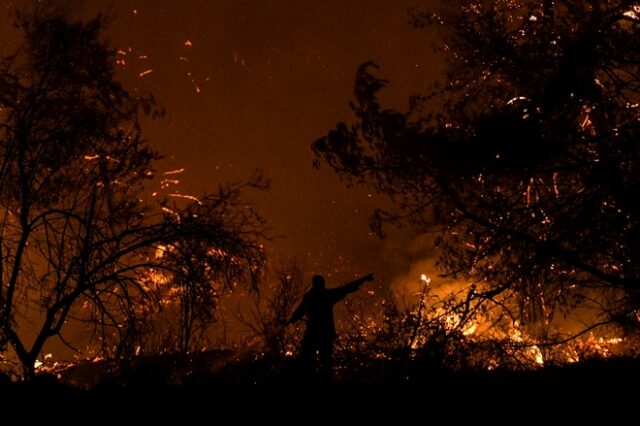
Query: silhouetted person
[{"x": 317, "y": 305}]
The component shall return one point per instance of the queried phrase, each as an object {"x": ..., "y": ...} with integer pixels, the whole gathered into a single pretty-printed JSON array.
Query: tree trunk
[
  {"x": 28, "y": 367},
  {"x": 27, "y": 360}
]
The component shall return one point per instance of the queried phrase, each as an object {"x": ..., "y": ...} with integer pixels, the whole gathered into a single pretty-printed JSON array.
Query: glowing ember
[
  {"x": 171, "y": 212},
  {"x": 186, "y": 197},
  {"x": 173, "y": 172}
]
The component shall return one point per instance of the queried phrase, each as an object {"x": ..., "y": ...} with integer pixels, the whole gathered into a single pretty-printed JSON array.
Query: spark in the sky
[{"x": 144, "y": 73}]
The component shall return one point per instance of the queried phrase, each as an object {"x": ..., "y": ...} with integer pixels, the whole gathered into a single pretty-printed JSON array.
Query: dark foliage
[{"x": 526, "y": 160}]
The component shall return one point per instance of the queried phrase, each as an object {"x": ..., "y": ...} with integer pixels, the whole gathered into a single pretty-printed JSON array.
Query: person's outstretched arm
[
  {"x": 298, "y": 313},
  {"x": 351, "y": 287}
]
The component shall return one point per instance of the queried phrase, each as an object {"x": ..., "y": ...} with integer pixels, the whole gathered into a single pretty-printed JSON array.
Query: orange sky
[{"x": 251, "y": 84}]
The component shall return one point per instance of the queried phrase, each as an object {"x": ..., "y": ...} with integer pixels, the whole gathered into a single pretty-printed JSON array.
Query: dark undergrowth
[{"x": 276, "y": 389}]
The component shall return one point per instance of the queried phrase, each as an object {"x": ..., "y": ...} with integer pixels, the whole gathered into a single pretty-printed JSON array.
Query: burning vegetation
[{"x": 444, "y": 331}]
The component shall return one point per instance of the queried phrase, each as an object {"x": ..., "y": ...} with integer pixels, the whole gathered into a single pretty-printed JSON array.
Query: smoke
[
  {"x": 417, "y": 262},
  {"x": 409, "y": 284}
]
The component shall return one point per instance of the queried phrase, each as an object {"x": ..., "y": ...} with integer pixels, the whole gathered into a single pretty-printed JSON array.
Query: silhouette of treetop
[{"x": 525, "y": 159}]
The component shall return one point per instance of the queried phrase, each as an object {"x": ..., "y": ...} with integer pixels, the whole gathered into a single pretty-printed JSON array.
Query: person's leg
[
  {"x": 308, "y": 354},
  {"x": 326, "y": 358}
]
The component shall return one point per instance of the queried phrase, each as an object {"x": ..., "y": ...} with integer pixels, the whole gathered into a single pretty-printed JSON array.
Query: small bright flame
[
  {"x": 160, "y": 250},
  {"x": 537, "y": 354},
  {"x": 425, "y": 278},
  {"x": 633, "y": 13},
  {"x": 470, "y": 330}
]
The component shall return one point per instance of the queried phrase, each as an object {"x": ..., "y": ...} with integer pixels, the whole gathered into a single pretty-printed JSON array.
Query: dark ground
[{"x": 592, "y": 391}]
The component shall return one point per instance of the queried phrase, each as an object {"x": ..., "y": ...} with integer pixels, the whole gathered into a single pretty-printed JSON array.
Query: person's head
[{"x": 317, "y": 281}]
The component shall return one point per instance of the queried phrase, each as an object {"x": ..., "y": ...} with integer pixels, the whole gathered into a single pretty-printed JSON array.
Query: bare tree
[
  {"x": 197, "y": 272},
  {"x": 274, "y": 306},
  {"x": 76, "y": 236}
]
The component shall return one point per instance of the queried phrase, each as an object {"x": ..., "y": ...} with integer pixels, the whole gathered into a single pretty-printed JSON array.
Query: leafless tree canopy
[{"x": 77, "y": 238}]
